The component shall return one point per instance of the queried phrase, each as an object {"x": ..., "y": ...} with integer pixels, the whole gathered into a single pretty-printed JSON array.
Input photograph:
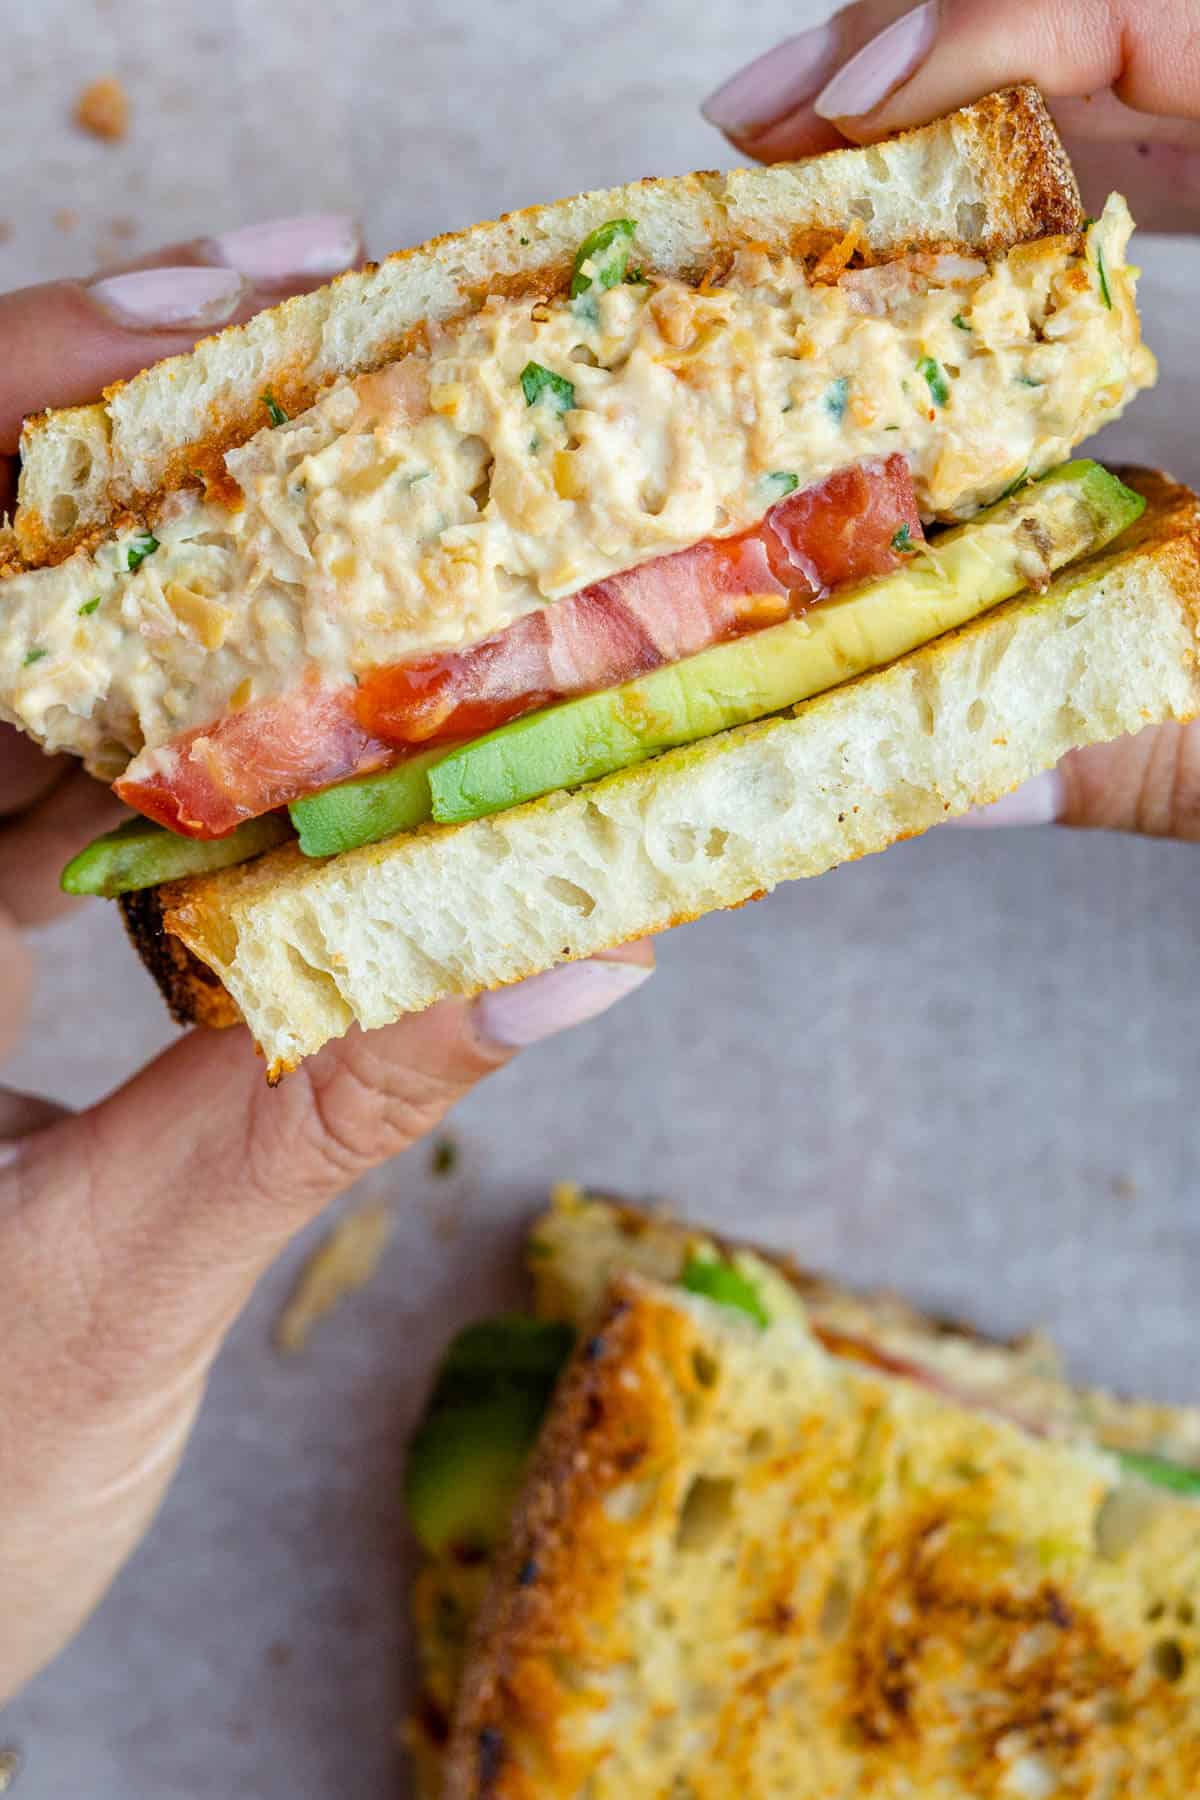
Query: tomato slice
[
  {"x": 841, "y": 530},
  {"x": 208, "y": 781}
]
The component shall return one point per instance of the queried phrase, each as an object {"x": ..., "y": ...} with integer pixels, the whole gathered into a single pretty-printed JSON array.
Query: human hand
[
  {"x": 1123, "y": 80},
  {"x": 132, "y": 1234}
]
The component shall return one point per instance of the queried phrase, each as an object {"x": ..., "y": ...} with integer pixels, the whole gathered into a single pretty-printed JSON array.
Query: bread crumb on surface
[
  {"x": 6, "y": 231},
  {"x": 66, "y": 219},
  {"x": 103, "y": 109},
  {"x": 342, "y": 1263}
]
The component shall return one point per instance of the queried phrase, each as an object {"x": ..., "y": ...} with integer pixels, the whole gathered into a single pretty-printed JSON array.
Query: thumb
[{"x": 1149, "y": 784}]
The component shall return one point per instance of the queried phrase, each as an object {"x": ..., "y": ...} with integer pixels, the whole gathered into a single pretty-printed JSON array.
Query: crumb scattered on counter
[
  {"x": 1124, "y": 1187},
  {"x": 66, "y": 219},
  {"x": 123, "y": 227},
  {"x": 444, "y": 1159},
  {"x": 343, "y": 1263},
  {"x": 6, "y": 231},
  {"x": 103, "y": 109},
  {"x": 10, "y": 1768}
]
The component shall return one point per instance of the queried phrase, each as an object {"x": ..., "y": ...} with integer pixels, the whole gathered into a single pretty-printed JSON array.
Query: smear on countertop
[{"x": 341, "y": 1264}]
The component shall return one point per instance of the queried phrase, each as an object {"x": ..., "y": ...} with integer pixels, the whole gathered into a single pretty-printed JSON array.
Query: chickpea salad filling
[{"x": 552, "y": 498}]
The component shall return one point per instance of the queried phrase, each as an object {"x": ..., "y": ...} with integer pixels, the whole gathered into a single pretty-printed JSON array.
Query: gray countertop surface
[{"x": 966, "y": 1068}]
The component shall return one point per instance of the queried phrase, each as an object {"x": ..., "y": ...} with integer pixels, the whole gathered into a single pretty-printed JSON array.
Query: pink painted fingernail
[
  {"x": 281, "y": 249},
  {"x": 1038, "y": 801},
  {"x": 555, "y": 1000},
  {"x": 883, "y": 64},
  {"x": 775, "y": 84},
  {"x": 161, "y": 299}
]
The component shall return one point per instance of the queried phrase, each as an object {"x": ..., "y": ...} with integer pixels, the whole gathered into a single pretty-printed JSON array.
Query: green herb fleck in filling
[
  {"x": 935, "y": 379},
  {"x": 606, "y": 251},
  {"x": 144, "y": 544},
  {"x": 541, "y": 384}
]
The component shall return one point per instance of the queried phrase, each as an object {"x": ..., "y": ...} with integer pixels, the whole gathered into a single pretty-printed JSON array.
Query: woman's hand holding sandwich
[
  {"x": 132, "y": 1234},
  {"x": 1123, "y": 79}
]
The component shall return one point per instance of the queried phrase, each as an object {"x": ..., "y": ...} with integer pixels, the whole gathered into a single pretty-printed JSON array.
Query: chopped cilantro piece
[
  {"x": 780, "y": 482},
  {"x": 538, "y": 383},
  {"x": 35, "y": 655},
  {"x": 523, "y": 240},
  {"x": 935, "y": 379},
  {"x": 1029, "y": 381},
  {"x": 891, "y": 428},
  {"x": 636, "y": 278},
  {"x": 902, "y": 542},
  {"x": 1159, "y": 1471},
  {"x": 1102, "y": 272},
  {"x": 1013, "y": 485},
  {"x": 961, "y": 323},
  {"x": 835, "y": 398},
  {"x": 144, "y": 544},
  {"x": 607, "y": 250},
  {"x": 89, "y": 606},
  {"x": 718, "y": 1279},
  {"x": 275, "y": 412}
]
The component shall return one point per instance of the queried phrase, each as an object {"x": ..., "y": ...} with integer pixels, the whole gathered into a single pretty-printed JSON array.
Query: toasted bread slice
[
  {"x": 989, "y": 176},
  {"x": 741, "y": 1567},
  {"x": 306, "y": 948},
  {"x": 586, "y": 1241}
]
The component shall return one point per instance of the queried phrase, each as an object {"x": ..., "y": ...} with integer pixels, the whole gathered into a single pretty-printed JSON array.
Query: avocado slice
[
  {"x": 1069, "y": 513},
  {"x": 366, "y": 809},
  {"x": 139, "y": 854},
  {"x": 468, "y": 1454}
]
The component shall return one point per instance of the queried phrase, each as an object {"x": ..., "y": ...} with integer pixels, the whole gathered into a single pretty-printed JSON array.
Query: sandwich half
[
  {"x": 776, "y": 1539},
  {"x": 428, "y": 622}
]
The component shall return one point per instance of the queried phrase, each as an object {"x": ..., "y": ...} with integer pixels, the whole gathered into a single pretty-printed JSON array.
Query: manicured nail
[
  {"x": 1038, "y": 801},
  {"x": 883, "y": 64},
  {"x": 157, "y": 299},
  {"x": 775, "y": 84},
  {"x": 555, "y": 1000},
  {"x": 311, "y": 244}
]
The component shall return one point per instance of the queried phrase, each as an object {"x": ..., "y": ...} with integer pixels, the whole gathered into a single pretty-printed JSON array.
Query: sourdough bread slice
[
  {"x": 742, "y": 1568},
  {"x": 989, "y": 176},
  {"x": 306, "y": 949}
]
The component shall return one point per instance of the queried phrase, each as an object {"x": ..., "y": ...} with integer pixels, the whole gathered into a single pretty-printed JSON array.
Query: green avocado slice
[
  {"x": 468, "y": 1454},
  {"x": 139, "y": 854},
  {"x": 366, "y": 809},
  {"x": 1069, "y": 513}
]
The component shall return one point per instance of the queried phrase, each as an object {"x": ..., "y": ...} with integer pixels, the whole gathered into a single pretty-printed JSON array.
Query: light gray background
[{"x": 967, "y": 1067}]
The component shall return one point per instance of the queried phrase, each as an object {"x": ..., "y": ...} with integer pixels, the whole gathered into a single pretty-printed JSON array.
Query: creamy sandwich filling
[{"x": 536, "y": 451}]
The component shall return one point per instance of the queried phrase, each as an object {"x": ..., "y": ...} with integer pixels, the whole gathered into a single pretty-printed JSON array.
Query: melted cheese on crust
[{"x": 431, "y": 505}]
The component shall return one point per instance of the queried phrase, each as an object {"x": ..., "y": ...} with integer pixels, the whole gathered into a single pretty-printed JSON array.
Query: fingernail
[
  {"x": 150, "y": 299},
  {"x": 775, "y": 84},
  {"x": 310, "y": 244},
  {"x": 889, "y": 59},
  {"x": 1038, "y": 801},
  {"x": 555, "y": 1000}
]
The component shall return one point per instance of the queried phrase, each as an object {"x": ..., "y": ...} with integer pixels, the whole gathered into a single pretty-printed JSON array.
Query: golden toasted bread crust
[
  {"x": 741, "y": 1569},
  {"x": 1010, "y": 133},
  {"x": 194, "y": 995}
]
